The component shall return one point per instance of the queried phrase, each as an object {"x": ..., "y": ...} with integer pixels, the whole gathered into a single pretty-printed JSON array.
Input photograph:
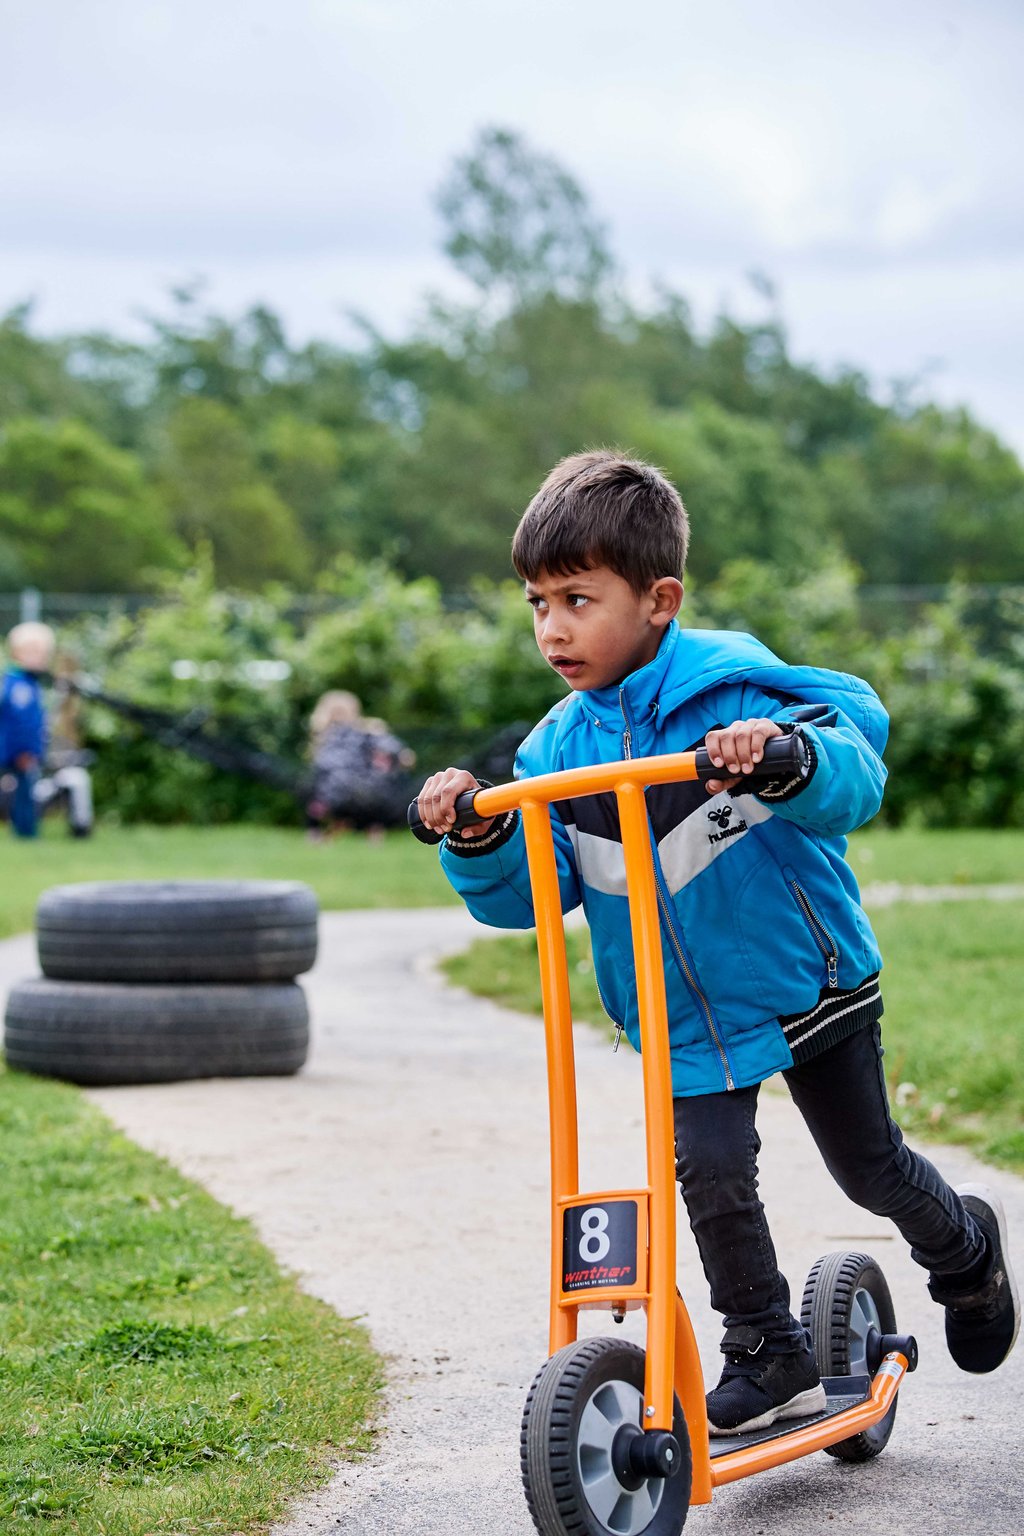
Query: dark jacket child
[
  {"x": 770, "y": 961},
  {"x": 360, "y": 769}
]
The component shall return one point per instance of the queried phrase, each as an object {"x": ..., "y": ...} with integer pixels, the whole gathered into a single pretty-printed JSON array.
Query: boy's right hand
[{"x": 436, "y": 802}]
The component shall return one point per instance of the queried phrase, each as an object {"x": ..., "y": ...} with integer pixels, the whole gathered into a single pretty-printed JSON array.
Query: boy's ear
[{"x": 667, "y": 596}]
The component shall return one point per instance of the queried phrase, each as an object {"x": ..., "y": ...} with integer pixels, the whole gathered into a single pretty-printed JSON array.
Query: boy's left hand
[{"x": 737, "y": 748}]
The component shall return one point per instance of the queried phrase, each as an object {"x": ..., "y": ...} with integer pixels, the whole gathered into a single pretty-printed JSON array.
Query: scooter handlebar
[
  {"x": 465, "y": 816},
  {"x": 783, "y": 757}
]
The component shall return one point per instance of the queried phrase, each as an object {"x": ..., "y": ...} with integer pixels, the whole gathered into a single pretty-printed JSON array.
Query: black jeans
[{"x": 842, "y": 1097}]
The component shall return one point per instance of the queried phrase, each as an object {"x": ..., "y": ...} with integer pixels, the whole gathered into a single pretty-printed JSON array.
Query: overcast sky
[{"x": 867, "y": 157}]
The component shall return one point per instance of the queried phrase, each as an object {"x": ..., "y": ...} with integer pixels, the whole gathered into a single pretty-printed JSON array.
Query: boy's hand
[
  {"x": 737, "y": 748},
  {"x": 436, "y": 801}
]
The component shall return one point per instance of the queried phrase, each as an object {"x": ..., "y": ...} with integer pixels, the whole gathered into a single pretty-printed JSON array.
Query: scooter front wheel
[
  {"x": 582, "y": 1424},
  {"x": 846, "y": 1308}
]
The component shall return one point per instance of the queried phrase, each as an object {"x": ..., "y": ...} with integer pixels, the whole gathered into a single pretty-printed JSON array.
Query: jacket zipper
[
  {"x": 627, "y": 734},
  {"x": 826, "y": 943},
  {"x": 695, "y": 987}
]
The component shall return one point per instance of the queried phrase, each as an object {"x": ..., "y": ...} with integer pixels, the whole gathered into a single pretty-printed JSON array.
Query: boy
[
  {"x": 22, "y": 720},
  {"x": 770, "y": 962}
]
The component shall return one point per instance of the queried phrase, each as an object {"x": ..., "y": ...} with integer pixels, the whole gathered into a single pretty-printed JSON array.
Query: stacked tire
[{"x": 159, "y": 981}]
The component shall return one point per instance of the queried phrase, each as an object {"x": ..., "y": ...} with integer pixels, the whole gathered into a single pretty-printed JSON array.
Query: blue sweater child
[
  {"x": 23, "y": 720},
  {"x": 770, "y": 961}
]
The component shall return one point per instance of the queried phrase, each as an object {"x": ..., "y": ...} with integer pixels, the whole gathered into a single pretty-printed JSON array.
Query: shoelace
[{"x": 743, "y": 1364}]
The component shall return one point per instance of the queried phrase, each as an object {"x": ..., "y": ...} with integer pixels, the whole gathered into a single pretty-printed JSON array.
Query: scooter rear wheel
[
  {"x": 584, "y": 1406},
  {"x": 846, "y": 1300}
]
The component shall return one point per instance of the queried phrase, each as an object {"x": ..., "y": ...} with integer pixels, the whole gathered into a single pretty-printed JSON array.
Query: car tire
[
  {"x": 165, "y": 931},
  {"x": 92, "y": 1033}
]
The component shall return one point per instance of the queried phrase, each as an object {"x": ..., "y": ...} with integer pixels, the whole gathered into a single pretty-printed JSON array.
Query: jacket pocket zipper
[{"x": 826, "y": 943}]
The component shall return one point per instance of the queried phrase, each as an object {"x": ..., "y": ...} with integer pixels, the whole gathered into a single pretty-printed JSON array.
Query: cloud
[{"x": 299, "y": 147}]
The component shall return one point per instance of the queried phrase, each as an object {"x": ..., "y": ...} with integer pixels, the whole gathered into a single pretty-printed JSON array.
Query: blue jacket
[
  {"x": 22, "y": 720},
  {"x": 767, "y": 952}
]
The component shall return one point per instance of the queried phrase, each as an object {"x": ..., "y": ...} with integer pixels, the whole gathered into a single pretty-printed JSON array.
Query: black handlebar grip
[
  {"x": 465, "y": 816},
  {"x": 784, "y": 757}
]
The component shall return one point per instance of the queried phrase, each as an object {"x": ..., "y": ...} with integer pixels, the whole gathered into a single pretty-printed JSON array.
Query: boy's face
[{"x": 593, "y": 629}]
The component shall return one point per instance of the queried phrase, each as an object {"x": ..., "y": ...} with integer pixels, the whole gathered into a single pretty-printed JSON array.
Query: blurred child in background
[
  {"x": 359, "y": 769},
  {"x": 23, "y": 720}
]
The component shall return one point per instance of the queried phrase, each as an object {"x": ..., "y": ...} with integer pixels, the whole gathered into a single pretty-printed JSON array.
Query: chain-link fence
[
  {"x": 884, "y": 608},
  {"x": 60, "y": 608}
]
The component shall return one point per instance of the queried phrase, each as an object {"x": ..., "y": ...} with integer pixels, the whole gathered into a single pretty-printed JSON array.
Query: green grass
[
  {"x": 399, "y": 872},
  {"x": 345, "y": 872},
  {"x": 158, "y": 1372},
  {"x": 914, "y": 857},
  {"x": 953, "y": 983}
]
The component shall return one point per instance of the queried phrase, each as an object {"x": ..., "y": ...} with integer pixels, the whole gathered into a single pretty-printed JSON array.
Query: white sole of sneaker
[
  {"x": 799, "y": 1407},
  {"x": 995, "y": 1205}
]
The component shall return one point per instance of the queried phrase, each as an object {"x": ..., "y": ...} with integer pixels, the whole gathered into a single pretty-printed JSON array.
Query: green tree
[
  {"x": 75, "y": 513},
  {"x": 478, "y": 409},
  {"x": 102, "y": 380},
  {"x": 212, "y": 487},
  {"x": 200, "y": 353},
  {"x": 518, "y": 225},
  {"x": 34, "y": 379},
  {"x": 931, "y": 497},
  {"x": 748, "y": 497},
  {"x": 302, "y": 461},
  {"x": 425, "y": 448}
]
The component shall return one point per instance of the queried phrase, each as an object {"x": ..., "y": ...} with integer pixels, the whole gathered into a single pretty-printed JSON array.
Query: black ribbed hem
[
  {"x": 785, "y": 789},
  {"x": 474, "y": 847},
  {"x": 780, "y": 789},
  {"x": 839, "y": 1012}
]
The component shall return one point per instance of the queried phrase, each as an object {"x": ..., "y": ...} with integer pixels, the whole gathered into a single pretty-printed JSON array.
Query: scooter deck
[{"x": 841, "y": 1392}]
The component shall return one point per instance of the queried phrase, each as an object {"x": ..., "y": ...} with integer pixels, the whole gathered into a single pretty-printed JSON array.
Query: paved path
[{"x": 403, "y": 1175}]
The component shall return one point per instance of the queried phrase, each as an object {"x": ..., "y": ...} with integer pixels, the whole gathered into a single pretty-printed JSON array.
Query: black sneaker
[
  {"x": 759, "y": 1386},
  {"x": 982, "y": 1323}
]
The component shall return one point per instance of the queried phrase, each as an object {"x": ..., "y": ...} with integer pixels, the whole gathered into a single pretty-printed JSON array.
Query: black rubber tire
[
  {"x": 92, "y": 1033},
  {"x": 841, "y": 1289},
  {"x": 157, "y": 931},
  {"x": 550, "y": 1456}
]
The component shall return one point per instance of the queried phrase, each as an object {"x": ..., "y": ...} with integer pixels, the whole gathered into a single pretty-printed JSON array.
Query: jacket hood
[{"x": 697, "y": 660}]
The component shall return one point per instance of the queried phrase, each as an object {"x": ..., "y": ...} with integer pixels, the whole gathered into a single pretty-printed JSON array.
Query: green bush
[
  {"x": 449, "y": 680},
  {"x": 957, "y": 740},
  {"x": 444, "y": 679},
  {"x": 953, "y": 683},
  {"x": 249, "y": 669},
  {"x": 197, "y": 656}
]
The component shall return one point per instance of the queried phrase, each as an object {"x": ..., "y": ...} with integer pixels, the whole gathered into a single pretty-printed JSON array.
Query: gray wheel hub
[
  {"x": 625, "y": 1510},
  {"x": 863, "y": 1318}
]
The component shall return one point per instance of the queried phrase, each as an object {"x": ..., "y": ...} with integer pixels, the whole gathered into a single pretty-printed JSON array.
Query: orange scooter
[{"x": 615, "y": 1439}]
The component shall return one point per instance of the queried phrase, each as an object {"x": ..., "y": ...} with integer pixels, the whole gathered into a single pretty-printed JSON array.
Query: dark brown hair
[{"x": 600, "y": 508}]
